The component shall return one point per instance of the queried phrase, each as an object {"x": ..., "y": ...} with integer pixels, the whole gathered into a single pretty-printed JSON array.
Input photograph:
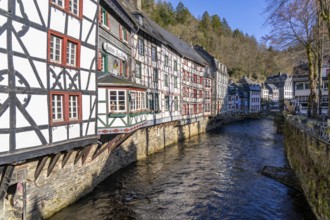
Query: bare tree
[
  {"x": 294, "y": 23},
  {"x": 324, "y": 11}
]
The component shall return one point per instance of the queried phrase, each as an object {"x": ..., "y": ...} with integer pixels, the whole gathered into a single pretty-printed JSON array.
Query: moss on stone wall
[{"x": 309, "y": 157}]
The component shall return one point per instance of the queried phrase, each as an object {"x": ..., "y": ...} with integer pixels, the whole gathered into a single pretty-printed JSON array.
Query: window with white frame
[
  {"x": 154, "y": 53},
  {"x": 155, "y": 75},
  {"x": 59, "y": 3},
  {"x": 138, "y": 101},
  {"x": 175, "y": 67},
  {"x": 71, "y": 54},
  {"x": 167, "y": 103},
  {"x": 141, "y": 46},
  {"x": 138, "y": 70},
  {"x": 166, "y": 60},
  {"x": 65, "y": 107},
  {"x": 166, "y": 80},
  {"x": 117, "y": 100},
  {"x": 55, "y": 49},
  {"x": 70, "y": 6},
  {"x": 73, "y": 107},
  {"x": 57, "y": 107},
  {"x": 63, "y": 50},
  {"x": 74, "y": 7},
  {"x": 176, "y": 103}
]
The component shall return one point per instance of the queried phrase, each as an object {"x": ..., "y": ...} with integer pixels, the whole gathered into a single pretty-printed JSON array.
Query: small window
[
  {"x": 123, "y": 35},
  {"x": 176, "y": 103},
  {"x": 65, "y": 107},
  {"x": 166, "y": 80},
  {"x": 59, "y": 3},
  {"x": 306, "y": 85},
  {"x": 117, "y": 101},
  {"x": 138, "y": 70},
  {"x": 154, "y": 53},
  {"x": 133, "y": 101},
  {"x": 55, "y": 49},
  {"x": 70, "y": 6},
  {"x": 104, "y": 18},
  {"x": 63, "y": 50},
  {"x": 155, "y": 75},
  {"x": 102, "y": 62},
  {"x": 73, "y": 107},
  {"x": 57, "y": 108},
  {"x": 71, "y": 54},
  {"x": 175, "y": 82},
  {"x": 74, "y": 7},
  {"x": 166, "y": 60},
  {"x": 141, "y": 46},
  {"x": 167, "y": 103},
  {"x": 175, "y": 65}
]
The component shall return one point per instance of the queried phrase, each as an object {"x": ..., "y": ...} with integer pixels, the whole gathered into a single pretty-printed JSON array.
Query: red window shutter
[
  {"x": 108, "y": 20},
  {"x": 100, "y": 15},
  {"x": 121, "y": 68},
  {"x": 120, "y": 32},
  {"x": 99, "y": 62}
]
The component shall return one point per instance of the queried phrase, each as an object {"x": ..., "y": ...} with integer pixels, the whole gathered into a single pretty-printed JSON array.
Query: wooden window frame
[
  {"x": 166, "y": 80},
  {"x": 166, "y": 60},
  {"x": 175, "y": 82},
  {"x": 140, "y": 70},
  {"x": 102, "y": 65},
  {"x": 154, "y": 55},
  {"x": 117, "y": 100},
  {"x": 65, "y": 108},
  {"x": 176, "y": 103},
  {"x": 167, "y": 103},
  {"x": 66, "y": 8},
  {"x": 140, "y": 46},
  {"x": 65, "y": 40},
  {"x": 175, "y": 67}
]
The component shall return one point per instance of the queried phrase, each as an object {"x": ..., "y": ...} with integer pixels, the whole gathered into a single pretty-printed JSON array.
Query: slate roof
[
  {"x": 271, "y": 88},
  {"x": 114, "y": 5},
  {"x": 248, "y": 84},
  {"x": 209, "y": 59},
  {"x": 111, "y": 80},
  {"x": 154, "y": 30}
]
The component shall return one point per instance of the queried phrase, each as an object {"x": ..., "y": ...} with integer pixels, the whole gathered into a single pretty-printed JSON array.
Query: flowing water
[{"x": 211, "y": 176}]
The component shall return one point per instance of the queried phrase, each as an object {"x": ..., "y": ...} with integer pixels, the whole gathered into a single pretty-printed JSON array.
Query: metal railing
[{"x": 315, "y": 128}]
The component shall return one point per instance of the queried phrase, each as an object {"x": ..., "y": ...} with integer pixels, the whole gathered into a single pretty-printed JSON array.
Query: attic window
[{"x": 140, "y": 20}]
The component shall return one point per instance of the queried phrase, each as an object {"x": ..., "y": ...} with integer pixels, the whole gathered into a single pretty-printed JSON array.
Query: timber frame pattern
[{"x": 25, "y": 93}]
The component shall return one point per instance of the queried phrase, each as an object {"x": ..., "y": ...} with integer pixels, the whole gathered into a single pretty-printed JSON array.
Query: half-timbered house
[
  {"x": 219, "y": 81},
  {"x": 122, "y": 103},
  {"x": 47, "y": 77}
]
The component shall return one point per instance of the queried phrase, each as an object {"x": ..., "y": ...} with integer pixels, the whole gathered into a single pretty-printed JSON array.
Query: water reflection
[{"x": 212, "y": 176}]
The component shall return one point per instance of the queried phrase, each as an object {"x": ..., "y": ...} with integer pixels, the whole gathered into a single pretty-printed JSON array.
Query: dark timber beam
[
  {"x": 53, "y": 163},
  {"x": 7, "y": 172},
  {"x": 40, "y": 167},
  {"x": 66, "y": 157},
  {"x": 86, "y": 153}
]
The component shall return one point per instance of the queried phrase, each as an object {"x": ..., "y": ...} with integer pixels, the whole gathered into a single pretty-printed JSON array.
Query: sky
[{"x": 245, "y": 15}]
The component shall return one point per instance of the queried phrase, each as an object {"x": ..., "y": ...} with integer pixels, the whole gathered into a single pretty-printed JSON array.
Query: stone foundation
[
  {"x": 310, "y": 158},
  {"x": 47, "y": 195}
]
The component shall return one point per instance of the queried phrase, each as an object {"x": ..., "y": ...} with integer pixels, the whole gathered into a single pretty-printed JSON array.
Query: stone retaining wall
[
  {"x": 47, "y": 195},
  {"x": 310, "y": 158}
]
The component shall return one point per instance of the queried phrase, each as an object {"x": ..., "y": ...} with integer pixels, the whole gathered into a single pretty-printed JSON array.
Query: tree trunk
[{"x": 312, "y": 99}]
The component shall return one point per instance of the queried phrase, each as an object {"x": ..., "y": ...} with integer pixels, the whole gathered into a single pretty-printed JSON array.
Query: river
[{"x": 211, "y": 176}]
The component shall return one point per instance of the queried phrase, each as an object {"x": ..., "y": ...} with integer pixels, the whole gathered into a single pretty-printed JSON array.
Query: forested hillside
[{"x": 242, "y": 54}]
